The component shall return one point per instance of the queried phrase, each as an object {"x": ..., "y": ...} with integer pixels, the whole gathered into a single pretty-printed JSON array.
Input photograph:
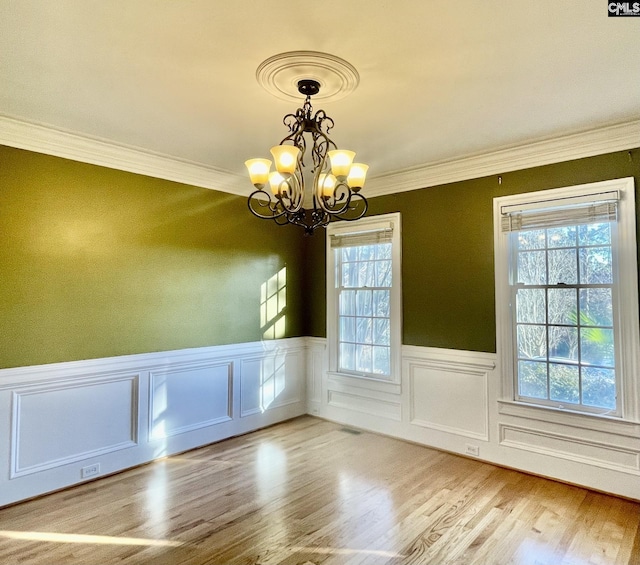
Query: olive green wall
[
  {"x": 447, "y": 250},
  {"x": 96, "y": 262}
]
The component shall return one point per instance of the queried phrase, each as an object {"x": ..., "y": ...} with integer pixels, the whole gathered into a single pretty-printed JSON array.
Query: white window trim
[
  {"x": 625, "y": 254},
  {"x": 368, "y": 223}
]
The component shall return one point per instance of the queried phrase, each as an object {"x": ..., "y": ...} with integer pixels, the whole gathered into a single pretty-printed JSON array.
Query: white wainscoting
[
  {"x": 115, "y": 413},
  {"x": 450, "y": 400},
  {"x": 56, "y": 420}
]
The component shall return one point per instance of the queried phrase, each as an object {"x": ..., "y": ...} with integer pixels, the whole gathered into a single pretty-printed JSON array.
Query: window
[
  {"x": 363, "y": 298},
  {"x": 567, "y": 298}
]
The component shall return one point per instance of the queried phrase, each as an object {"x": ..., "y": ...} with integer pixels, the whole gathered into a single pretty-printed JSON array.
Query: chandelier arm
[
  {"x": 264, "y": 200},
  {"x": 355, "y": 197},
  {"x": 281, "y": 220},
  {"x": 290, "y": 194},
  {"x": 296, "y": 129},
  {"x": 322, "y": 144},
  {"x": 320, "y": 118},
  {"x": 339, "y": 201},
  {"x": 295, "y": 122},
  {"x": 295, "y": 196}
]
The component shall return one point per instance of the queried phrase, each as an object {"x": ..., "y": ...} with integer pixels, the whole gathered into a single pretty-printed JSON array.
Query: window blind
[
  {"x": 593, "y": 208},
  {"x": 368, "y": 237}
]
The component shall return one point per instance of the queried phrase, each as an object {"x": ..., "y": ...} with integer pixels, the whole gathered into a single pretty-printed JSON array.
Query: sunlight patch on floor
[{"x": 82, "y": 538}]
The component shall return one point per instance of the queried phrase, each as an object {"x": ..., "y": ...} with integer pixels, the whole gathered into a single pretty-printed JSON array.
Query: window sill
[{"x": 583, "y": 420}]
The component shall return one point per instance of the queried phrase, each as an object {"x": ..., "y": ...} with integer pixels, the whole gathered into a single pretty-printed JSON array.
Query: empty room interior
[{"x": 344, "y": 282}]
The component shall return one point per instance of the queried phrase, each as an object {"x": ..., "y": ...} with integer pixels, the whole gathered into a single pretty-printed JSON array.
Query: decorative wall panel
[
  {"x": 451, "y": 399},
  {"x": 57, "y": 424},
  {"x": 188, "y": 398},
  {"x": 572, "y": 448}
]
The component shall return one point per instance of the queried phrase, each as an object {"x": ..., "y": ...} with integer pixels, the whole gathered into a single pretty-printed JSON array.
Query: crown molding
[
  {"x": 544, "y": 152},
  {"x": 51, "y": 141}
]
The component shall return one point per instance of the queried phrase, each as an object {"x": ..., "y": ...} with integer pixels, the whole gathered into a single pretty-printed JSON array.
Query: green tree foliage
[{"x": 564, "y": 319}]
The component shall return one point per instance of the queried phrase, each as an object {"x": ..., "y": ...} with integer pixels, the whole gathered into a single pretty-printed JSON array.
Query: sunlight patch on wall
[
  {"x": 273, "y": 302},
  {"x": 158, "y": 424},
  {"x": 272, "y": 379}
]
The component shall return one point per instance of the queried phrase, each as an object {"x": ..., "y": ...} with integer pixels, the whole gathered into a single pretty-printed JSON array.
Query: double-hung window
[
  {"x": 567, "y": 297},
  {"x": 363, "y": 298}
]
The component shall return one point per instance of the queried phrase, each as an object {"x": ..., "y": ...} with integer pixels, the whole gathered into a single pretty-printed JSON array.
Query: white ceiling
[{"x": 439, "y": 81}]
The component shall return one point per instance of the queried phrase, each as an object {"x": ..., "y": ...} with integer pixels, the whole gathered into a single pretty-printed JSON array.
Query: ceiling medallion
[
  {"x": 279, "y": 75},
  {"x": 330, "y": 188}
]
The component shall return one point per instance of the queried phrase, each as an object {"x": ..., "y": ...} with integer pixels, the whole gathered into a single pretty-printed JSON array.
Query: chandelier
[{"x": 334, "y": 180}]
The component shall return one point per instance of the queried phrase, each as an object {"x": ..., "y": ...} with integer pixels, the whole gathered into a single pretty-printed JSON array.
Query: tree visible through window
[
  {"x": 363, "y": 297},
  {"x": 564, "y": 315},
  {"x": 567, "y": 298}
]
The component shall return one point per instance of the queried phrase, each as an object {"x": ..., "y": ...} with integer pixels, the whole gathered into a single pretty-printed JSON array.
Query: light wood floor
[{"x": 309, "y": 492}]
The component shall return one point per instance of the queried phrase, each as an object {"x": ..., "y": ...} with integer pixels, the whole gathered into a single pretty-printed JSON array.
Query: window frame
[
  {"x": 625, "y": 297},
  {"x": 346, "y": 228}
]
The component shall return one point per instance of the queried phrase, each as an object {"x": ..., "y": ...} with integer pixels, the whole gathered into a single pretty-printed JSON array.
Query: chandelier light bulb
[
  {"x": 341, "y": 160},
  {"x": 285, "y": 158},
  {"x": 357, "y": 176},
  {"x": 326, "y": 185},
  {"x": 278, "y": 184},
  {"x": 258, "y": 171}
]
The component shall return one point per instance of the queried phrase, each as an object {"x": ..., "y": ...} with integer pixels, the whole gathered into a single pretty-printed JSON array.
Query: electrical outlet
[
  {"x": 90, "y": 470},
  {"x": 473, "y": 450}
]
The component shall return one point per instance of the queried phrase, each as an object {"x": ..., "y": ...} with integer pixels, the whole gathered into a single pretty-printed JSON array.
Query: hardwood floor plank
[
  {"x": 634, "y": 553},
  {"x": 309, "y": 492}
]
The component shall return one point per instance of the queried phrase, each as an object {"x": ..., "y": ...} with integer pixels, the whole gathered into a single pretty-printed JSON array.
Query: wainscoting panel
[
  {"x": 271, "y": 381},
  {"x": 360, "y": 403},
  {"x": 376, "y": 398},
  {"x": 316, "y": 371},
  {"x": 435, "y": 389},
  {"x": 281, "y": 374},
  {"x": 451, "y": 400},
  {"x": 65, "y": 423},
  {"x": 62, "y": 423},
  {"x": 572, "y": 448},
  {"x": 185, "y": 399},
  {"x": 250, "y": 387}
]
